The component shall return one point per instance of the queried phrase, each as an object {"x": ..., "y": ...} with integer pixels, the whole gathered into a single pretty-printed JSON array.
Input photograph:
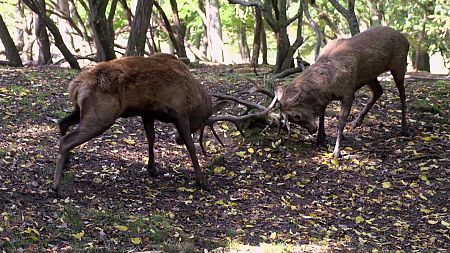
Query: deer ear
[{"x": 279, "y": 93}]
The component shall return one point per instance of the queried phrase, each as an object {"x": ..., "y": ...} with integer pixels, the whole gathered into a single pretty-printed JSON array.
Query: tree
[
  {"x": 139, "y": 28},
  {"x": 44, "y": 57},
  {"x": 59, "y": 42},
  {"x": 275, "y": 14},
  {"x": 214, "y": 30},
  {"x": 349, "y": 14},
  {"x": 10, "y": 48},
  {"x": 101, "y": 31}
]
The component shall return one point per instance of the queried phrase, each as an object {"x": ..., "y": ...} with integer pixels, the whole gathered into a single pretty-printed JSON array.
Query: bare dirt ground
[{"x": 386, "y": 193}]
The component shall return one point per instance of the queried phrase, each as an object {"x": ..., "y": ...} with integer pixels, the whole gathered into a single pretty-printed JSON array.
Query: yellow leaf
[
  {"x": 129, "y": 141},
  {"x": 218, "y": 170},
  {"x": 422, "y": 196},
  {"x": 136, "y": 240},
  {"x": 387, "y": 185},
  {"x": 251, "y": 150},
  {"x": 432, "y": 222},
  {"x": 220, "y": 202},
  {"x": 335, "y": 161},
  {"x": 79, "y": 235},
  {"x": 359, "y": 219},
  {"x": 235, "y": 133},
  {"x": 446, "y": 224},
  {"x": 184, "y": 189},
  {"x": 427, "y": 138},
  {"x": 121, "y": 227},
  {"x": 240, "y": 153},
  {"x": 273, "y": 235}
]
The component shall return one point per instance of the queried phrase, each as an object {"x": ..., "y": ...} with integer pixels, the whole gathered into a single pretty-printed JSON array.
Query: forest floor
[{"x": 270, "y": 193}]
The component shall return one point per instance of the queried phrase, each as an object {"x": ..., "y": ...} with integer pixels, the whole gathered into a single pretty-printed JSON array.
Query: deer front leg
[
  {"x": 321, "y": 136},
  {"x": 149, "y": 126},
  {"x": 346, "y": 106},
  {"x": 183, "y": 128}
]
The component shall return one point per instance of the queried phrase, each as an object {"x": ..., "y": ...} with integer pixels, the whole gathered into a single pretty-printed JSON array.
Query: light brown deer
[
  {"x": 159, "y": 87},
  {"x": 345, "y": 66}
]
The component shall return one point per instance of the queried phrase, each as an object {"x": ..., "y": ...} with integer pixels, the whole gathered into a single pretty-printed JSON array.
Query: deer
[
  {"x": 159, "y": 87},
  {"x": 343, "y": 67}
]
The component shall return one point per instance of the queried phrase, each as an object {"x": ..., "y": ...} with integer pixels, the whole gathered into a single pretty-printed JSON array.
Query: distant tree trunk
[
  {"x": 375, "y": 12},
  {"x": 179, "y": 30},
  {"x": 102, "y": 38},
  {"x": 264, "y": 46},
  {"x": 421, "y": 56},
  {"x": 45, "y": 57},
  {"x": 349, "y": 14},
  {"x": 243, "y": 46},
  {"x": 139, "y": 28},
  {"x": 214, "y": 30},
  {"x": 63, "y": 25},
  {"x": 257, "y": 36},
  {"x": 10, "y": 48},
  {"x": 35, "y": 7},
  {"x": 20, "y": 39}
]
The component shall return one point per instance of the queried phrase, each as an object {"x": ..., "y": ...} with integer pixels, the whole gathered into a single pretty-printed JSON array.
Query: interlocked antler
[{"x": 236, "y": 120}]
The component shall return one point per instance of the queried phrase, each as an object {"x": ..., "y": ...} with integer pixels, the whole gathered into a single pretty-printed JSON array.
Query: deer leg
[
  {"x": 321, "y": 135},
  {"x": 183, "y": 128},
  {"x": 72, "y": 119},
  {"x": 149, "y": 126},
  {"x": 377, "y": 91},
  {"x": 399, "y": 79},
  {"x": 346, "y": 106}
]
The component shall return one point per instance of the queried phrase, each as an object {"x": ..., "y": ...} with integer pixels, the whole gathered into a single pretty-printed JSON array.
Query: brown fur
[
  {"x": 344, "y": 66},
  {"x": 159, "y": 87}
]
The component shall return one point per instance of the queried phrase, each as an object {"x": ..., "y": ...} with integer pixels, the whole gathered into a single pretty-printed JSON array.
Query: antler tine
[{"x": 248, "y": 104}]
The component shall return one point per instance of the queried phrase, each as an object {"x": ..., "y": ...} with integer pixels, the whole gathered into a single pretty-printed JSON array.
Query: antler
[{"x": 237, "y": 120}]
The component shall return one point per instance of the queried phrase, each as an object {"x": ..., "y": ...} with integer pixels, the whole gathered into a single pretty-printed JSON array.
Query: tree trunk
[
  {"x": 20, "y": 40},
  {"x": 179, "y": 31},
  {"x": 36, "y": 8},
  {"x": 257, "y": 36},
  {"x": 45, "y": 57},
  {"x": 141, "y": 22},
  {"x": 422, "y": 59},
  {"x": 349, "y": 14},
  {"x": 102, "y": 38},
  {"x": 243, "y": 46},
  {"x": 264, "y": 46},
  {"x": 63, "y": 25},
  {"x": 375, "y": 13},
  {"x": 214, "y": 31},
  {"x": 10, "y": 48}
]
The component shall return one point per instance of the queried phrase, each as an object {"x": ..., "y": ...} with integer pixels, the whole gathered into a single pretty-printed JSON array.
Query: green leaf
[
  {"x": 79, "y": 235},
  {"x": 359, "y": 219},
  {"x": 136, "y": 240},
  {"x": 387, "y": 185},
  {"x": 218, "y": 170},
  {"x": 121, "y": 227}
]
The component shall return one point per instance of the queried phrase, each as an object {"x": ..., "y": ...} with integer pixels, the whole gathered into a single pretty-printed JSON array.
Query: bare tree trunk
[
  {"x": 20, "y": 39},
  {"x": 10, "y": 48},
  {"x": 45, "y": 57},
  {"x": 375, "y": 12},
  {"x": 257, "y": 36},
  {"x": 63, "y": 25},
  {"x": 214, "y": 30},
  {"x": 422, "y": 59},
  {"x": 243, "y": 46},
  {"x": 264, "y": 46},
  {"x": 35, "y": 7},
  {"x": 139, "y": 28},
  {"x": 349, "y": 14},
  {"x": 179, "y": 31},
  {"x": 102, "y": 38}
]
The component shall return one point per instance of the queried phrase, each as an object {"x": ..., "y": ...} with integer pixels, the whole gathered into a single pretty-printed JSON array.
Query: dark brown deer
[
  {"x": 345, "y": 66},
  {"x": 159, "y": 87}
]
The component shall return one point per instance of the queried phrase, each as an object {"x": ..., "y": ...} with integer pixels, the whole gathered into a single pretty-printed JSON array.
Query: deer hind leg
[
  {"x": 183, "y": 128},
  {"x": 346, "y": 106},
  {"x": 399, "y": 79},
  {"x": 377, "y": 91},
  {"x": 90, "y": 126},
  {"x": 149, "y": 126},
  {"x": 72, "y": 119}
]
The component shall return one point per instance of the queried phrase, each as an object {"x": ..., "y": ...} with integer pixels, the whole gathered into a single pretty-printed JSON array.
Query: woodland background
[
  {"x": 270, "y": 193},
  {"x": 235, "y": 31}
]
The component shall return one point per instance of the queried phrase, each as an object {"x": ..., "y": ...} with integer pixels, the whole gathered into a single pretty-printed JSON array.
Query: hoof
[
  {"x": 55, "y": 191},
  {"x": 152, "y": 171}
]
